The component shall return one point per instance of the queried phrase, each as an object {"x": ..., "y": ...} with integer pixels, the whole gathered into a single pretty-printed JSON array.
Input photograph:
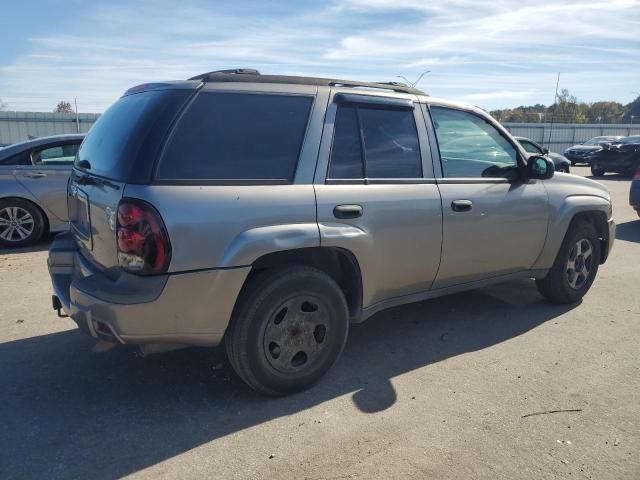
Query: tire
[
  {"x": 566, "y": 285},
  {"x": 289, "y": 327},
  {"x": 597, "y": 171},
  {"x": 21, "y": 223}
]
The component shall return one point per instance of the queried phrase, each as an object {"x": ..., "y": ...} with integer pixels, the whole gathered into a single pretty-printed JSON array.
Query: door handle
[
  {"x": 347, "y": 211},
  {"x": 34, "y": 175},
  {"x": 461, "y": 205}
]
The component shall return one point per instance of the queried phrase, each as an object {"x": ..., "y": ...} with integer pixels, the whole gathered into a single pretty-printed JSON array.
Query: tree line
[{"x": 568, "y": 109}]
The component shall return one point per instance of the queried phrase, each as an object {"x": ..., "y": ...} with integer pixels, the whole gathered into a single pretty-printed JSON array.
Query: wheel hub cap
[
  {"x": 294, "y": 338},
  {"x": 580, "y": 263}
]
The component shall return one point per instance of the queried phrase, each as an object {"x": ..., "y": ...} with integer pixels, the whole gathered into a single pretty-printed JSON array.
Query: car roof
[{"x": 37, "y": 142}]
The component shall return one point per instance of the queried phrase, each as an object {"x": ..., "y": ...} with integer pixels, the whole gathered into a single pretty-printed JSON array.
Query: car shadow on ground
[
  {"x": 628, "y": 231},
  {"x": 614, "y": 177},
  {"x": 41, "y": 246},
  {"x": 68, "y": 412}
]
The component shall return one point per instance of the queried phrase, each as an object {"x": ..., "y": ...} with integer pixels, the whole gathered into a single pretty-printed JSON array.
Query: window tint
[
  {"x": 390, "y": 139},
  {"x": 225, "y": 136},
  {"x": 470, "y": 147},
  {"x": 346, "y": 154},
  {"x": 125, "y": 141},
  {"x": 58, "y": 155},
  {"x": 391, "y": 143},
  {"x": 21, "y": 158},
  {"x": 529, "y": 147}
]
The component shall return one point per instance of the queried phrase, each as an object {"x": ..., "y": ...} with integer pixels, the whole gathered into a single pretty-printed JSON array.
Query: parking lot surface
[{"x": 440, "y": 389}]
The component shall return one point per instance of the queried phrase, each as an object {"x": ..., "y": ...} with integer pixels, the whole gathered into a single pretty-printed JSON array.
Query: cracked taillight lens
[{"x": 143, "y": 242}]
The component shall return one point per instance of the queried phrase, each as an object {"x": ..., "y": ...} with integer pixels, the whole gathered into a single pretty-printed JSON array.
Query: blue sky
[{"x": 494, "y": 54}]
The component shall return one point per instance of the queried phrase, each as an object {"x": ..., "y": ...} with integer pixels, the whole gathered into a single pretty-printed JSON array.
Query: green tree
[
  {"x": 606, "y": 112},
  {"x": 632, "y": 108}
]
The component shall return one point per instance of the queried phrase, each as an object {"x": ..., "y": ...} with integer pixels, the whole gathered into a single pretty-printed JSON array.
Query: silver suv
[{"x": 270, "y": 212}]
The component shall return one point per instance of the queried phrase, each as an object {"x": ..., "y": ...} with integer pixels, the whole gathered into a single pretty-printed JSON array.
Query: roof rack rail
[
  {"x": 236, "y": 71},
  {"x": 249, "y": 75}
]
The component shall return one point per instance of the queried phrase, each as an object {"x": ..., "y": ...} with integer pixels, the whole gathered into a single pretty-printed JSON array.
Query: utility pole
[
  {"x": 75, "y": 100},
  {"x": 555, "y": 100}
]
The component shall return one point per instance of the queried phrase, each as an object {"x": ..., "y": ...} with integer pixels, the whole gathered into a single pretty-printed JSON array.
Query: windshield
[{"x": 596, "y": 140}]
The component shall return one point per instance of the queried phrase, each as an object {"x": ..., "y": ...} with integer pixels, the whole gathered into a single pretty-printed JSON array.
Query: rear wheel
[
  {"x": 21, "y": 223},
  {"x": 288, "y": 329},
  {"x": 575, "y": 266},
  {"x": 596, "y": 171}
]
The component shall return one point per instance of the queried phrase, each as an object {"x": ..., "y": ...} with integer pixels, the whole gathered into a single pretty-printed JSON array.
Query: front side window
[
  {"x": 237, "y": 136},
  {"x": 530, "y": 147},
  {"x": 58, "y": 155},
  {"x": 470, "y": 147},
  {"x": 374, "y": 143}
]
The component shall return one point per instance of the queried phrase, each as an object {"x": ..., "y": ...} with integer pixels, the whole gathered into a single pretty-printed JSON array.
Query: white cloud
[{"x": 490, "y": 53}]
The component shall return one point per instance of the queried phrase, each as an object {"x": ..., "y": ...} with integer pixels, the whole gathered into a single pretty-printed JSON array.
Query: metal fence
[
  {"x": 20, "y": 126},
  {"x": 564, "y": 135}
]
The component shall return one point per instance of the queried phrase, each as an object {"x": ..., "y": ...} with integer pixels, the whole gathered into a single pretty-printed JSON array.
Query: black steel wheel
[
  {"x": 289, "y": 327},
  {"x": 575, "y": 266}
]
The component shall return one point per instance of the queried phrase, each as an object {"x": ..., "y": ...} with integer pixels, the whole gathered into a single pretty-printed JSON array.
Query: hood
[{"x": 576, "y": 185}]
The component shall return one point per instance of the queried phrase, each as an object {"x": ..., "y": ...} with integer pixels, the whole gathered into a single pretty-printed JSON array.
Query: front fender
[{"x": 560, "y": 219}]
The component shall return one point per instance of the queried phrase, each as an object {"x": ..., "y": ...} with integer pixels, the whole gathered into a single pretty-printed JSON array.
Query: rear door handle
[
  {"x": 461, "y": 205},
  {"x": 347, "y": 211}
]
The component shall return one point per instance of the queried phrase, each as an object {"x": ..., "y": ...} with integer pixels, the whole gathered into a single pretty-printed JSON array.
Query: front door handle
[
  {"x": 347, "y": 211},
  {"x": 34, "y": 175},
  {"x": 461, "y": 205}
]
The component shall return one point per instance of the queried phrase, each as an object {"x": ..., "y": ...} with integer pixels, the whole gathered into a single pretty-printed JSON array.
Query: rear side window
[
  {"x": 58, "y": 155},
  {"x": 390, "y": 142},
  {"x": 21, "y": 158},
  {"x": 237, "y": 136}
]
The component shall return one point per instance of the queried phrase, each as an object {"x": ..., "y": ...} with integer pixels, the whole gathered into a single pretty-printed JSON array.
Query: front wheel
[
  {"x": 596, "y": 171},
  {"x": 575, "y": 266},
  {"x": 289, "y": 327}
]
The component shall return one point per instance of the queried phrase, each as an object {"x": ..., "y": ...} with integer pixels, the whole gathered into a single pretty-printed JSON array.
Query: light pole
[{"x": 413, "y": 84}]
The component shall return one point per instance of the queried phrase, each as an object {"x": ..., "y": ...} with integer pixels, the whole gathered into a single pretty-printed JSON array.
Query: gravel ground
[{"x": 438, "y": 389}]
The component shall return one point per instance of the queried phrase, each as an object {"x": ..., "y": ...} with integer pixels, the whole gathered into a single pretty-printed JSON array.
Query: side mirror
[
  {"x": 539, "y": 167},
  {"x": 545, "y": 151},
  {"x": 605, "y": 146}
]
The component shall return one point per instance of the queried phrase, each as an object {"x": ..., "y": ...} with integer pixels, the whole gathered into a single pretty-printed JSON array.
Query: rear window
[
  {"x": 124, "y": 142},
  {"x": 237, "y": 136}
]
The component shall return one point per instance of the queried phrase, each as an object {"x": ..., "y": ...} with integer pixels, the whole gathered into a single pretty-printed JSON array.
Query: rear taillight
[
  {"x": 636, "y": 176},
  {"x": 143, "y": 242}
]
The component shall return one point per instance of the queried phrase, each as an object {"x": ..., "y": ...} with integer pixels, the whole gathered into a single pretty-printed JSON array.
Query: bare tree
[{"x": 63, "y": 107}]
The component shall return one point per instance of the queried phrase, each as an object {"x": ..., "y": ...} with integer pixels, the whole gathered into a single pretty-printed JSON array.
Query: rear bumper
[{"x": 187, "y": 308}]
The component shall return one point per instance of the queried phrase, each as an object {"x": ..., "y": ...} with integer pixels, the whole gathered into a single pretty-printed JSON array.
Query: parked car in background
[
  {"x": 561, "y": 163},
  {"x": 268, "y": 212},
  {"x": 578, "y": 153},
  {"x": 634, "y": 193},
  {"x": 33, "y": 188},
  {"x": 622, "y": 157}
]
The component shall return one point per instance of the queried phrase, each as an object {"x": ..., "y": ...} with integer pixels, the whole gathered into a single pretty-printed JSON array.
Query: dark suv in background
[{"x": 579, "y": 153}]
